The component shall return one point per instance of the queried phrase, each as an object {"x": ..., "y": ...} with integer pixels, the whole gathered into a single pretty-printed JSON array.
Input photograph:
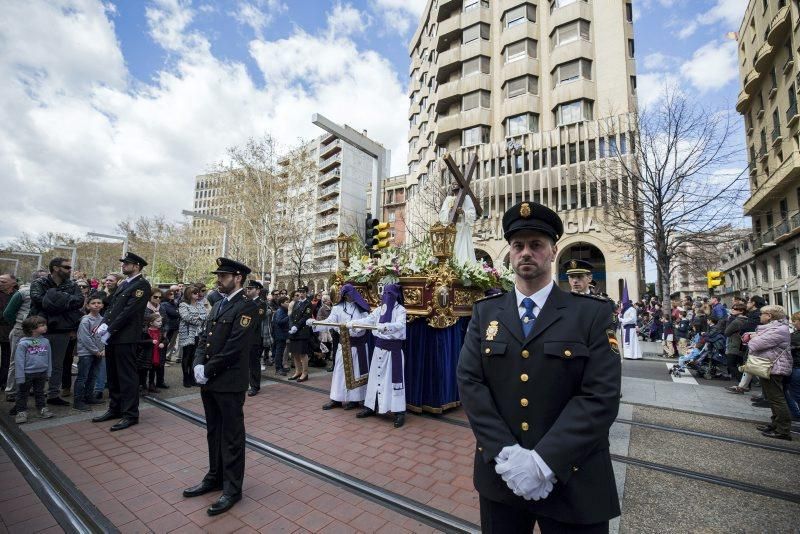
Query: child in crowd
[
  {"x": 90, "y": 353},
  {"x": 33, "y": 366},
  {"x": 152, "y": 354}
]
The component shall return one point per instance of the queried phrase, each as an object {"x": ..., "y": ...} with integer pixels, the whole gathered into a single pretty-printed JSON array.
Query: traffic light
[
  {"x": 382, "y": 237},
  {"x": 370, "y": 231},
  {"x": 714, "y": 279},
  {"x": 376, "y": 235}
]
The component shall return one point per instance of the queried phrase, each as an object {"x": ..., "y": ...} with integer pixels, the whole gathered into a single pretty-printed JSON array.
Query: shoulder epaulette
[
  {"x": 598, "y": 298},
  {"x": 490, "y": 297}
]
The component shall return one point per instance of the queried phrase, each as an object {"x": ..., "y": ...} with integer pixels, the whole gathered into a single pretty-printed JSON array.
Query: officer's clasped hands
[
  {"x": 199, "y": 374},
  {"x": 520, "y": 471},
  {"x": 293, "y": 330},
  {"x": 309, "y": 322}
]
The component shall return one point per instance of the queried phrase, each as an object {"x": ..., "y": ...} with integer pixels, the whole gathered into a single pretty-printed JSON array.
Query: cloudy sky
[{"x": 108, "y": 109}]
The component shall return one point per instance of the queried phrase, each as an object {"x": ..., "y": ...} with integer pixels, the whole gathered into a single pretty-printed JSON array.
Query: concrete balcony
[
  {"x": 330, "y": 148},
  {"x": 518, "y": 32},
  {"x": 577, "y": 10},
  {"x": 449, "y": 30},
  {"x": 325, "y": 251},
  {"x": 574, "y": 90},
  {"x": 330, "y": 205},
  {"x": 476, "y": 117},
  {"x": 479, "y": 47},
  {"x": 330, "y": 162},
  {"x": 327, "y": 235},
  {"x": 792, "y": 116},
  {"x": 450, "y": 92},
  {"x": 779, "y": 26},
  {"x": 518, "y": 68},
  {"x": 763, "y": 58},
  {"x": 330, "y": 176},
  {"x": 751, "y": 82},
  {"x": 570, "y": 51},
  {"x": 328, "y": 192},
  {"x": 448, "y": 127},
  {"x": 782, "y": 179},
  {"x": 527, "y": 103},
  {"x": 328, "y": 220},
  {"x": 743, "y": 102}
]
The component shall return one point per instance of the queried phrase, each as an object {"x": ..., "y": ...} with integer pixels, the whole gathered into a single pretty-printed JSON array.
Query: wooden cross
[{"x": 463, "y": 183}]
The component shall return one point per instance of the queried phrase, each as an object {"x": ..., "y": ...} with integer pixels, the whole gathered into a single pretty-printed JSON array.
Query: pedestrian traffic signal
[{"x": 714, "y": 279}]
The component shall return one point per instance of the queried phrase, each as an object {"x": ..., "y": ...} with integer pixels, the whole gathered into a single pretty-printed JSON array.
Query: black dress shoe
[
  {"x": 108, "y": 416},
  {"x": 124, "y": 423},
  {"x": 760, "y": 404},
  {"x": 92, "y": 401},
  {"x": 399, "y": 419},
  {"x": 201, "y": 489},
  {"x": 252, "y": 392},
  {"x": 332, "y": 404},
  {"x": 57, "y": 401},
  {"x": 162, "y": 386},
  {"x": 765, "y": 428},
  {"x": 223, "y": 504},
  {"x": 776, "y": 435},
  {"x": 349, "y": 405},
  {"x": 366, "y": 412}
]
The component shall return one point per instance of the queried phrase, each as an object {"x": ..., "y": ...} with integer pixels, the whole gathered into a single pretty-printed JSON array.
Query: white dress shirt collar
[
  {"x": 538, "y": 298},
  {"x": 130, "y": 279},
  {"x": 229, "y": 297}
]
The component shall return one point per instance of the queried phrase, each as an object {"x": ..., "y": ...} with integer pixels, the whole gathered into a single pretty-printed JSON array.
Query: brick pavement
[
  {"x": 427, "y": 460},
  {"x": 21, "y": 511},
  {"x": 135, "y": 479}
]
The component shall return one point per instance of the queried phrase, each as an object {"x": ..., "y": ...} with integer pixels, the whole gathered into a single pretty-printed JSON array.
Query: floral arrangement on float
[{"x": 435, "y": 286}]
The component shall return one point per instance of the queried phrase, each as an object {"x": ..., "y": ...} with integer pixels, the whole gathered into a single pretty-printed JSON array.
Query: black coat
[
  {"x": 125, "y": 313},
  {"x": 262, "y": 309},
  {"x": 301, "y": 312},
  {"x": 60, "y": 304},
  {"x": 281, "y": 323},
  {"x": 170, "y": 315},
  {"x": 224, "y": 344},
  {"x": 556, "y": 392}
]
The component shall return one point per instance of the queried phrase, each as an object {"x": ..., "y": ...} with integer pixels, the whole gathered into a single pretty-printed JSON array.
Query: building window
[
  {"x": 475, "y": 66},
  {"x": 631, "y": 48},
  {"x": 391, "y": 216},
  {"x": 469, "y": 5},
  {"x": 629, "y": 12},
  {"x": 475, "y": 32},
  {"x": 520, "y": 15},
  {"x": 475, "y": 136},
  {"x": 567, "y": 72},
  {"x": 776, "y": 270},
  {"x": 520, "y": 50},
  {"x": 572, "y": 112},
  {"x": 522, "y": 85},
  {"x": 572, "y": 31},
  {"x": 475, "y": 99},
  {"x": 522, "y": 124},
  {"x": 555, "y": 4},
  {"x": 792, "y": 262},
  {"x": 633, "y": 85}
]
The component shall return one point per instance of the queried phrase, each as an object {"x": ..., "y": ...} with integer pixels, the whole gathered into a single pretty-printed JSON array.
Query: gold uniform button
[
  {"x": 525, "y": 353},
  {"x": 568, "y": 353},
  {"x": 574, "y": 469},
  {"x": 488, "y": 351},
  {"x": 480, "y": 449},
  {"x": 523, "y": 377},
  {"x": 208, "y": 344},
  {"x": 525, "y": 426},
  {"x": 523, "y": 402}
]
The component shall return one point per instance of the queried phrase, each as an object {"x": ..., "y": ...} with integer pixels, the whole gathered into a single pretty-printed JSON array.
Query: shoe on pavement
[
  {"x": 349, "y": 405},
  {"x": 81, "y": 407},
  {"x": 252, "y": 392},
  {"x": 108, "y": 416},
  {"x": 332, "y": 404},
  {"x": 98, "y": 395},
  {"x": 774, "y": 434},
  {"x": 22, "y": 417},
  {"x": 283, "y": 372},
  {"x": 223, "y": 504},
  {"x": 764, "y": 428},
  {"x": 760, "y": 404},
  {"x": 734, "y": 389},
  {"x": 201, "y": 489},
  {"x": 399, "y": 419},
  {"x": 45, "y": 413},
  {"x": 92, "y": 401},
  {"x": 123, "y": 424},
  {"x": 66, "y": 392},
  {"x": 57, "y": 401},
  {"x": 11, "y": 397},
  {"x": 263, "y": 367},
  {"x": 366, "y": 412},
  {"x": 162, "y": 386}
]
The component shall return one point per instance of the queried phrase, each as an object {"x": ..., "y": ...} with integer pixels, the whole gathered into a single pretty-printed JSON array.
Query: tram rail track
[
  {"x": 414, "y": 509},
  {"x": 673, "y": 470},
  {"x": 69, "y": 506}
]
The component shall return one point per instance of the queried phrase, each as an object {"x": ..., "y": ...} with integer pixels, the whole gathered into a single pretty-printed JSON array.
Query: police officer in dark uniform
[
  {"x": 579, "y": 274},
  {"x": 221, "y": 367},
  {"x": 253, "y": 292},
  {"x": 300, "y": 334},
  {"x": 121, "y": 330},
  {"x": 539, "y": 377}
]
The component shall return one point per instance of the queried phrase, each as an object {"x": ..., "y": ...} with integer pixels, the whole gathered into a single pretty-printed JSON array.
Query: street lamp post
[
  {"x": 122, "y": 238},
  {"x": 37, "y": 256},
  {"x": 15, "y": 261},
  {"x": 222, "y": 220}
]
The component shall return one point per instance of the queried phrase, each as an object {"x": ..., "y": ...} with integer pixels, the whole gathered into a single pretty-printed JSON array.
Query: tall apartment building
[
  {"x": 691, "y": 263},
  {"x": 539, "y": 91},
  {"x": 766, "y": 263},
  {"x": 336, "y": 202}
]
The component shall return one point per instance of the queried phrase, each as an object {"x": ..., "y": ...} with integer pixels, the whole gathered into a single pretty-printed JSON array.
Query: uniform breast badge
[
  {"x": 138, "y": 293},
  {"x": 492, "y": 330},
  {"x": 245, "y": 321},
  {"x": 612, "y": 341}
]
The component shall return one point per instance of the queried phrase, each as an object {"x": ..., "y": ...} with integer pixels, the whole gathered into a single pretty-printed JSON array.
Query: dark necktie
[
  {"x": 222, "y": 305},
  {"x": 528, "y": 318}
]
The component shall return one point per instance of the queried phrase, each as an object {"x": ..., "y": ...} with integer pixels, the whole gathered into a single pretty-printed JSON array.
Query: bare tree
[
  {"x": 677, "y": 190},
  {"x": 264, "y": 194},
  {"x": 423, "y": 205}
]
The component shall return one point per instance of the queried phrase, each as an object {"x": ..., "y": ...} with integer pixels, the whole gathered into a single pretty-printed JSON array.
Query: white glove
[
  {"x": 349, "y": 324},
  {"x": 293, "y": 330},
  {"x": 200, "y": 374},
  {"x": 309, "y": 322},
  {"x": 101, "y": 329},
  {"x": 520, "y": 470},
  {"x": 104, "y": 338}
]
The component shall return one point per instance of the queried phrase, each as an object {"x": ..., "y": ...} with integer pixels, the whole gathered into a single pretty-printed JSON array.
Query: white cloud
[
  {"x": 726, "y": 12},
  {"x": 659, "y": 61},
  {"x": 400, "y": 16},
  {"x": 257, "y": 14},
  {"x": 346, "y": 20},
  {"x": 83, "y": 145},
  {"x": 651, "y": 86},
  {"x": 712, "y": 66}
]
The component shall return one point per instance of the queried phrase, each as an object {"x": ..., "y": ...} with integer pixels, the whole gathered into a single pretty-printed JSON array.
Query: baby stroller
[{"x": 710, "y": 364}]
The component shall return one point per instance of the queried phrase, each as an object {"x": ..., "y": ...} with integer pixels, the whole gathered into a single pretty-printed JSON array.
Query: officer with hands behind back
[
  {"x": 539, "y": 377},
  {"x": 221, "y": 367}
]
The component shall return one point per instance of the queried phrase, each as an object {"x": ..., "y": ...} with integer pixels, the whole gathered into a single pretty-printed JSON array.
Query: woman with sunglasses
[{"x": 193, "y": 314}]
